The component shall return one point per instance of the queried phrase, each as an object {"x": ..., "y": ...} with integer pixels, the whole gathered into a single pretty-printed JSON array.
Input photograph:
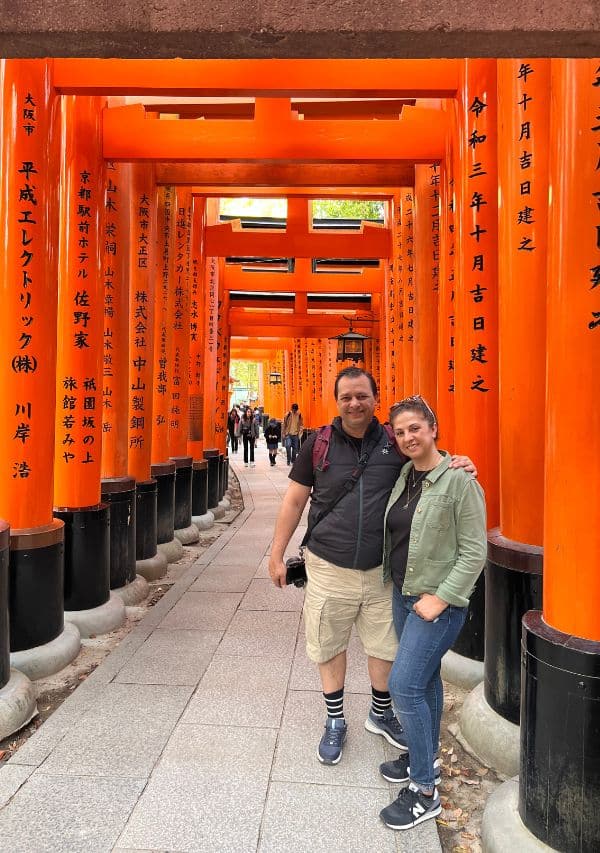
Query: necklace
[{"x": 416, "y": 482}]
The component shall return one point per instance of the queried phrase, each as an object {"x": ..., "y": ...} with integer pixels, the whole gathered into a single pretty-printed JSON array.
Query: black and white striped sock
[
  {"x": 335, "y": 704},
  {"x": 380, "y": 701}
]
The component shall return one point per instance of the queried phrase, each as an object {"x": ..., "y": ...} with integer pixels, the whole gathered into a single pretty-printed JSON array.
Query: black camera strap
[{"x": 345, "y": 488}]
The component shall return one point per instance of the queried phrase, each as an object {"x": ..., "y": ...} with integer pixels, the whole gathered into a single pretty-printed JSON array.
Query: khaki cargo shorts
[{"x": 336, "y": 599}]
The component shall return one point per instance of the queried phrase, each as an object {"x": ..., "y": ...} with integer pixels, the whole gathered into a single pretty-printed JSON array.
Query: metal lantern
[
  {"x": 350, "y": 345},
  {"x": 274, "y": 378}
]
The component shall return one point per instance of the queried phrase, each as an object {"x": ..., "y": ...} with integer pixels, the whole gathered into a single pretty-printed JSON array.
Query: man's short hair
[
  {"x": 354, "y": 373},
  {"x": 294, "y": 407}
]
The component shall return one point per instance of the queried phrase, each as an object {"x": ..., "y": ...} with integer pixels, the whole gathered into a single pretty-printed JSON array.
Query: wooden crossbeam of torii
[
  {"x": 274, "y": 134},
  {"x": 303, "y": 280},
  {"x": 299, "y": 240},
  {"x": 264, "y": 324},
  {"x": 337, "y": 78},
  {"x": 259, "y": 177}
]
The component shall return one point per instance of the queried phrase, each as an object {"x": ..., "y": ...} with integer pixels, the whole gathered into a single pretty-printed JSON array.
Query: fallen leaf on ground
[
  {"x": 454, "y": 759},
  {"x": 482, "y": 771},
  {"x": 470, "y": 782},
  {"x": 2, "y": 754}
]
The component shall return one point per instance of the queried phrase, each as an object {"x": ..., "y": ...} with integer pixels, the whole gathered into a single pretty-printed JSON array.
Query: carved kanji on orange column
[
  {"x": 115, "y": 268},
  {"x": 197, "y": 332},
  {"x": 141, "y": 319},
  {"x": 476, "y": 359},
  {"x": 163, "y": 324},
  {"x": 427, "y": 271}
]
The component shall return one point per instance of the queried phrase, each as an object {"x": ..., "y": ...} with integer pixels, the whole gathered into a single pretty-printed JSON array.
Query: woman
[
  {"x": 273, "y": 437},
  {"x": 249, "y": 433},
  {"x": 435, "y": 547},
  {"x": 233, "y": 420}
]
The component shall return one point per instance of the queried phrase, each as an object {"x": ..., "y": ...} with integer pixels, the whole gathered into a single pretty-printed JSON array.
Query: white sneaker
[
  {"x": 252, "y": 465},
  {"x": 245, "y": 464}
]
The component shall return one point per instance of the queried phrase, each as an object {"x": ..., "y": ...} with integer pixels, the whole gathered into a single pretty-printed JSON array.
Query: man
[
  {"x": 291, "y": 432},
  {"x": 343, "y": 557}
]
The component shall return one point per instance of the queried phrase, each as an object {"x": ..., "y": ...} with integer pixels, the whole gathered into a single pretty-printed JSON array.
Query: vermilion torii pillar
[
  {"x": 513, "y": 576},
  {"x": 118, "y": 488},
  {"x": 201, "y": 516},
  {"x": 407, "y": 289},
  {"x": 427, "y": 272},
  {"x": 163, "y": 468},
  {"x": 185, "y": 531},
  {"x": 560, "y": 705},
  {"x": 28, "y": 266},
  {"x": 142, "y": 287},
  {"x": 78, "y": 443},
  {"x": 476, "y": 318},
  {"x": 448, "y": 276}
]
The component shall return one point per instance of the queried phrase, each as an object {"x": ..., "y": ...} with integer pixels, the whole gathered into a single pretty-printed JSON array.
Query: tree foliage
[{"x": 345, "y": 208}]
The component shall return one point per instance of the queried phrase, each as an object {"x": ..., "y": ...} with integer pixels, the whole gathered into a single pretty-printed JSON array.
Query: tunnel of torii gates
[{"x": 122, "y": 305}]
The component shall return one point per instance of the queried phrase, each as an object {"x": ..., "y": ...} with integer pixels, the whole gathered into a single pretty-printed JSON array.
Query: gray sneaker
[
  {"x": 387, "y": 726},
  {"x": 330, "y": 746}
]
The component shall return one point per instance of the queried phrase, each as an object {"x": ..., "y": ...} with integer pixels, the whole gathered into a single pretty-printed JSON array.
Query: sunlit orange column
[
  {"x": 330, "y": 370},
  {"x": 195, "y": 444},
  {"x": 211, "y": 322},
  {"x": 448, "y": 277},
  {"x": 163, "y": 468},
  {"x": 142, "y": 301},
  {"x": 407, "y": 285},
  {"x": 222, "y": 384},
  {"x": 514, "y": 571},
  {"x": 179, "y": 405},
  {"x": 476, "y": 318},
  {"x": 118, "y": 488},
  {"x": 29, "y": 168},
  {"x": 78, "y": 445},
  {"x": 562, "y": 648},
  {"x": 427, "y": 273},
  {"x": 277, "y": 391}
]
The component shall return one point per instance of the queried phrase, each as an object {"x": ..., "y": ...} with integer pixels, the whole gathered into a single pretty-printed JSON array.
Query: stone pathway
[{"x": 199, "y": 732}]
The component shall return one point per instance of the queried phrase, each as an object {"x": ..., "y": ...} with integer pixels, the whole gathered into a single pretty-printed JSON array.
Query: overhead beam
[
  {"x": 273, "y": 175},
  {"x": 327, "y": 78},
  {"x": 391, "y": 107},
  {"x": 229, "y": 240},
  {"x": 366, "y": 280},
  {"x": 308, "y": 330},
  {"x": 370, "y": 193},
  {"x": 418, "y": 136}
]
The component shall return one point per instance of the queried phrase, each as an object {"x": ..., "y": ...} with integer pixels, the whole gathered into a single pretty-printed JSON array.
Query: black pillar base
[
  {"x": 87, "y": 555},
  {"x": 183, "y": 491},
  {"x": 513, "y": 585},
  {"x": 145, "y": 519},
  {"x": 119, "y": 494},
  {"x": 35, "y": 585},
  {"x": 559, "y": 789},
  {"x": 4, "y": 634},
  {"x": 226, "y": 472},
  {"x": 470, "y": 643},
  {"x": 164, "y": 474},
  {"x": 212, "y": 457},
  {"x": 200, "y": 488},
  {"x": 221, "y": 475}
]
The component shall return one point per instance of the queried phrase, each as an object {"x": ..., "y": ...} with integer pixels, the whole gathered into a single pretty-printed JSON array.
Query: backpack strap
[{"x": 321, "y": 448}]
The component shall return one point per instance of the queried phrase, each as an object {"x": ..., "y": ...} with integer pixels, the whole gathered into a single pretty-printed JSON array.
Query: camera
[{"x": 295, "y": 571}]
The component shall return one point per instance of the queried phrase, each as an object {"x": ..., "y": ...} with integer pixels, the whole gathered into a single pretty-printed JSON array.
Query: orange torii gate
[{"x": 476, "y": 329}]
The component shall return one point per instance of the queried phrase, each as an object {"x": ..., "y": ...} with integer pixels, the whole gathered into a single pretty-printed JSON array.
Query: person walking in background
[
  {"x": 273, "y": 437},
  {"x": 291, "y": 432},
  {"x": 249, "y": 433},
  {"x": 435, "y": 545},
  {"x": 233, "y": 419}
]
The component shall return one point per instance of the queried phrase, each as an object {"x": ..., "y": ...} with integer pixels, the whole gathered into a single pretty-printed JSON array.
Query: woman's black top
[{"x": 399, "y": 522}]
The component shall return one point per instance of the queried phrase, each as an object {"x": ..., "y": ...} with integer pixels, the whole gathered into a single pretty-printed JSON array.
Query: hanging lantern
[
  {"x": 350, "y": 346},
  {"x": 274, "y": 378}
]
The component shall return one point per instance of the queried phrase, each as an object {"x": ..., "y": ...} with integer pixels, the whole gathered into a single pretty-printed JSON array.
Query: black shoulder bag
[{"x": 296, "y": 566}]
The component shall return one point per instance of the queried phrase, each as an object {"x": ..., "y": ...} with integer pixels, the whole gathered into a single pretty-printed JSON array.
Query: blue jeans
[
  {"x": 292, "y": 445},
  {"x": 415, "y": 682}
]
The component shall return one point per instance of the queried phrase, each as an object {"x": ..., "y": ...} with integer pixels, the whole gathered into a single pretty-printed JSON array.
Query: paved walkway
[{"x": 199, "y": 732}]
